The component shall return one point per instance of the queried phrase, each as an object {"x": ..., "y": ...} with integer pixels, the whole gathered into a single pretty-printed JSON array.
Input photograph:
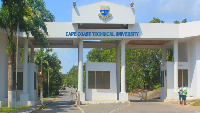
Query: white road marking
[
  {"x": 80, "y": 109},
  {"x": 129, "y": 103}
]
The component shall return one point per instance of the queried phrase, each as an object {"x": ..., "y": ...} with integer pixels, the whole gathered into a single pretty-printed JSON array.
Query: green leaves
[
  {"x": 183, "y": 21},
  {"x": 50, "y": 62},
  {"x": 176, "y": 22},
  {"x": 30, "y": 14},
  {"x": 102, "y": 55},
  {"x": 156, "y": 20},
  {"x": 71, "y": 78}
]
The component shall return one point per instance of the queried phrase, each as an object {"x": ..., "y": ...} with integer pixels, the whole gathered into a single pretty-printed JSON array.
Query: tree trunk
[
  {"x": 11, "y": 63},
  {"x": 10, "y": 83},
  {"x": 41, "y": 90}
]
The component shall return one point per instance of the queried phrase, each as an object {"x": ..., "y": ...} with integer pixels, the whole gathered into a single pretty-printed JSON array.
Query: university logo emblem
[{"x": 104, "y": 12}]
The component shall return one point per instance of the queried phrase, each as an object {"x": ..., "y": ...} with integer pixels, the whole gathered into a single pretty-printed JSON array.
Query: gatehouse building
[{"x": 104, "y": 21}]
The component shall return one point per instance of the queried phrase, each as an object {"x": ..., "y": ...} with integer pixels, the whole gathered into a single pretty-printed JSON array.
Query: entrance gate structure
[{"x": 90, "y": 23}]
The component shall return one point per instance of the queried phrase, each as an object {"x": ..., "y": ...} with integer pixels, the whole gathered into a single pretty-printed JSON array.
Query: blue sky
[{"x": 167, "y": 10}]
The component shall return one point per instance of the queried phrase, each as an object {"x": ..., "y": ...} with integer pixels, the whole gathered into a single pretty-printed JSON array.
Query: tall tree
[
  {"x": 184, "y": 20},
  {"x": 176, "y": 22},
  {"x": 102, "y": 55},
  {"x": 51, "y": 64},
  {"x": 22, "y": 13},
  {"x": 156, "y": 20},
  {"x": 11, "y": 13}
]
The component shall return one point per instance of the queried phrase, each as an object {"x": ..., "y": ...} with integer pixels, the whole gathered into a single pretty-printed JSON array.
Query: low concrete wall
[{"x": 102, "y": 94}]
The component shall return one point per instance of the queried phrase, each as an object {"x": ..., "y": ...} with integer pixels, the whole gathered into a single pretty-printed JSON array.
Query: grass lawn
[
  {"x": 7, "y": 109},
  {"x": 44, "y": 99},
  {"x": 196, "y": 103}
]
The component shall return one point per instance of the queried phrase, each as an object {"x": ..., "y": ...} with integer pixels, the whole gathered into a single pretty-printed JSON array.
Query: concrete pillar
[
  {"x": 118, "y": 70},
  {"x": 175, "y": 65},
  {"x": 123, "y": 71},
  {"x": 80, "y": 71},
  {"x": 32, "y": 54},
  {"x": 123, "y": 96},
  {"x": 163, "y": 55},
  {"x": 25, "y": 67},
  {"x": 80, "y": 66}
]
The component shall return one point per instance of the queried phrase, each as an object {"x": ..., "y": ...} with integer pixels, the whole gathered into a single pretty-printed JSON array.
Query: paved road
[
  {"x": 62, "y": 104},
  {"x": 137, "y": 106}
]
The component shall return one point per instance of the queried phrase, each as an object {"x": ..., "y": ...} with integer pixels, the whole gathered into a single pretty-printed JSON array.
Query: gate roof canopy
[{"x": 122, "y": 19}]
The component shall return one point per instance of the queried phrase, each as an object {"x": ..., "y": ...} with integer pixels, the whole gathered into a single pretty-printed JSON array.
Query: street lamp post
[
  {"x": 48, "y": 81},
  {"x": 16, "y": 66},
  {"x": 41, "y": 87}
]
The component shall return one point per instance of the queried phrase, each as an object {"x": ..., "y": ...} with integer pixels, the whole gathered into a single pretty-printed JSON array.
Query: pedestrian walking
[
  {"x": 71, "y": 96},
  {"x": 184, "y": 94},
  {"x": 180, "y": 93}
]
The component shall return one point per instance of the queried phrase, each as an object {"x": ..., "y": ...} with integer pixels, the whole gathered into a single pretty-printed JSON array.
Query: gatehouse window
[
  {"x": 19, "y": 80},
  {"x": 162, "y": 78},
  {"x": 98, "y": 79},
  {"x": 35, "y": 80},
  {"x": 182, "y": 78}
]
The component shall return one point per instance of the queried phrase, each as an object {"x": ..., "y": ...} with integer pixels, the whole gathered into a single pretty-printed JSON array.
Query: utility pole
[
  {"x": 48, "y": 81},
  {"x": 16, "y": 67},
  {"x": 41, "y": 86}
]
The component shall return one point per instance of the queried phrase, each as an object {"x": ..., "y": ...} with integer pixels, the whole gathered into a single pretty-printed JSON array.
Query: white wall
[
  {"x": 3, "y": 68},
  {"x": 182, "y": 52},
  {"x": 162, "y": 92},
  {"x": 193, "y": 67},
  {"x": 31, "y": 91},
  {"x": 146, "y": 30},
  {"x": 57, "y": 30},
  {"x": 189, "y": 29},
  {"x": 102, "y": 94},
  {"x": 89, "y": 14},
  {"x": 198, "y": 65},
  {"x": 170, "y": 79}
]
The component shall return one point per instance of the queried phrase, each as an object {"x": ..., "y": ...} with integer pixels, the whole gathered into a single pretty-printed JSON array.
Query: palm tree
[
  {"x": 30, "y": 15},
  {"x": 176, "y": 22},
  {"x": 184, "y": 20},
  {"x": 156, "y": 20}
]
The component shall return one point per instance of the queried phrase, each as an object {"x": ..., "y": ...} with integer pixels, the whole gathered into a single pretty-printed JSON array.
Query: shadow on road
[
  {"x": 136, "y": 98},
  {"x": 62, "y": 103},
  {"x": 145, "y": 101}
]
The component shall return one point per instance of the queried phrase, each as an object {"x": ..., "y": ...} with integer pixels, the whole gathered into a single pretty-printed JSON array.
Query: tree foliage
[
  {"x": 156, "y": 20},
  {"x": 53, "y": 64},
  {"x": 27, "y": 15},
  {"x": 71, "y": 78},
  {"x": 178, "y": 22},
  {"x": 102, "y": 55}
]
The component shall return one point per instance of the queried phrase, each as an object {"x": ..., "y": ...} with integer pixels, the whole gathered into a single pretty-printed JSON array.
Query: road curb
[{"x": 31, "y": 111}]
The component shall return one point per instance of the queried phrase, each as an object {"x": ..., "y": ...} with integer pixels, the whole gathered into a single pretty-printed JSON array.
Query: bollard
[
  {"x": 142, "y": 96},
  {"x": 78, "y": 98},
  {"x": 145, "y": 97}
]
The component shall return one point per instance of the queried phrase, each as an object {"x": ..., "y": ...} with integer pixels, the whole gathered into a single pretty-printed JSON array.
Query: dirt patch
[
  {"x": 155, "y": 95},
  {"x": 136, "y": 91}
]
